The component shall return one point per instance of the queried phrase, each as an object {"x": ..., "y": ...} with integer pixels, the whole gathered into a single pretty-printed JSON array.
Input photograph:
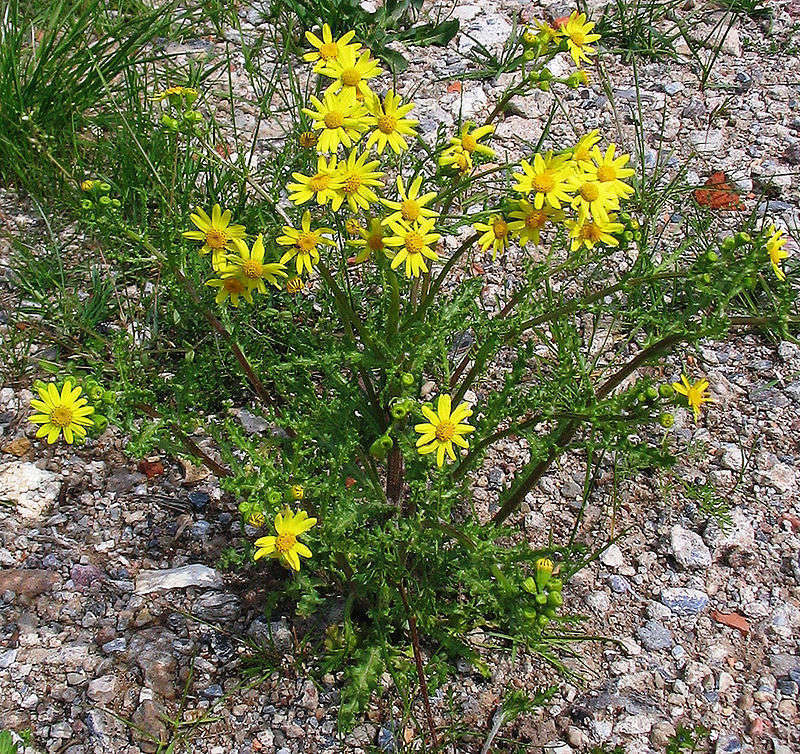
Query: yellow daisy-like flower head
[
  {"x": 61, "y": 413},
  {"x": 444, "y": 429},
  {"x": 232, "y": 284},
  {"x": 327, "y": 49},
  {"x": 777, "y": 254},
  {"x": 371, "y": 241},
  {"x": 579, "y": 36},
  {"x": 411, "y": 206},
  {"x": 249, "y": 265},
  {"x": 389, "y": 123},
  {"x": 355, "y": 181},
  {"x": 592, "y": 197},
  {"x": 582, "y": 151},
  {"x": 413, "y": 241},
  {"x": 695, "y": 393},
  {"x": 610, "y": 170},
  {"x": 495, "y": 234},
  {"x": 321, "y": 186},
  {"x": 457, "y": 158},
  {"x": 350, "y": 73},
  {"x": 216, "y": 232},
  {"x": 528, "y": 222},
  {"x": 175, "y": 92},
  {"x": 308, "y": 139},
  {"x": 546, "y": 32},
  {"x": 286, "y": 546},
  {"x": 546, "y": 181},
  {"x": 304, "y": 243},
  {"x": 468, "y": 140},
  {"x": 588, "y": 232},
  {"x": 340, "y": 121}
]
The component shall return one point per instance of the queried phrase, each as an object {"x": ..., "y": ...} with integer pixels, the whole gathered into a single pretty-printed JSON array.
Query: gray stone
[
  {"x": 32, "y": 489},
  {"x": 7, "y": 658},
  {"x": 154, "y": 650},
  {"x": 148, "y": 719},
  {"x": 654, "y": 636},
  {"x": 101, "y": 690},
  {"x": 216, "y": 606},
  {"x": 612, "y": 557},
  {"x": 273, "y": 634},
  {"x": 683, "y": 600},
  {"x": 195, "y": 575},
  {"x": 115, "y": 645},
  {"x": 689, "y": 549}
]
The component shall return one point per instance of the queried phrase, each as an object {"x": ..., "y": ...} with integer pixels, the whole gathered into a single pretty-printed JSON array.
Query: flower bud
[
  {"x": 652, "y": 393},
  {"x": 666, "y": 391},
  {"x": 274, "y": 498},
  {"x": 104, "y": 187},
  {"x": 554, "y": 599},
  {"x": 666, "y": 420},
  {"x": 104, "y": 200},
  {"x": 96, "y": 392},
  {"x": 86, "y": 204},
  {"x": 544, "y": 570},
  {"x": 529, "y": 585},
  {"x": 100, "y": 422},
  {"x": 407, "y": 379},
  {"x": 296, "y": 492}
]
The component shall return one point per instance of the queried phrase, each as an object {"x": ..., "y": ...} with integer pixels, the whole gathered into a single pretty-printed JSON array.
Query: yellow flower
[
  {"x": 611, "y": 170},
  {"x": 528, "y": 221},
  {"x": 340, "y": 121},
  {"x": 582, "y": 151},
  {"x": 350, "y": 73},
  {"x": 496, "y": 233},
  {"x": 320, "y": 186},
  {"x": 443, "y": 428},
  {"x": 775, "y": 245},
  {"x": 695, "y": 394},
  {"x": 547, "y": 33},
  {"x": 257, "y": 519},
  {"x": 249, "y": 264},
  {"x": 587, "y": 231},
  {"x": 414, "y": 243},
  {"x": 176, "y": 91},
  {"x": 547, "y": 179},
  {"x": 411, "y": 205},
  {"x": 89, "y": 184},
  {"x": 286, "y": 547},
  {"x": 578, "y": 33},
  {"x": 65, "y": 413},
  {"x": 231, "y": 284},
  {"x": 304, "y": 243},
  {"x": 327, "y": 49},
  {"x": 294, "y": 285},
  {"x": 356, "y": 177},
  {"x": 371, "y": 241},
  {"x": 454, "y": 157},
  {"x": 468, "y": 140},
  {"x": 591, "y": 196},
  {"x": 216, "y": 232},
  {"x": 389, "y": 121}
]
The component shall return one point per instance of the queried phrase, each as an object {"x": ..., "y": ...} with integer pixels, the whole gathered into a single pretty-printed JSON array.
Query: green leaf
[{"x": 7, "y": 745}]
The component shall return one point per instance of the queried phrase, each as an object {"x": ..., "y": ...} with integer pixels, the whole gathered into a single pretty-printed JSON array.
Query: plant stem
[{"x": 423, "y": 683}]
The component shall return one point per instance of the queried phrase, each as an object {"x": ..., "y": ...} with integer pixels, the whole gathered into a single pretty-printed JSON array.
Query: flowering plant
[{"x": 344, "y": 297}]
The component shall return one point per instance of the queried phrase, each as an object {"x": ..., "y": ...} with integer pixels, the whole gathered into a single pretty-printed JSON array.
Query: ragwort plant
[{"x": 338, "y": 292}]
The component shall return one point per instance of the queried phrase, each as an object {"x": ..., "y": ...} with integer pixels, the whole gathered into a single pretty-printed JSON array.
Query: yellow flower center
[
  {"x": 414, "y": 242},
  {"x": 252, "y": 269},
  {"x": 334, "y": 119},
  {"x": 578, "y": 37},
  {"x": 591, "y": 231},
  {"x": 445, "y": 431},
  {"x": 351, "y": 184},
  {"x": 606, "y": 173},
  {"x": 544, "y": 182},
  {"x": 409, "y": 210},
  {"x": 233, "y": 285},
  {"x": 61, "y": 416},
  {"x": 500, "y": 228},
  {"x": 328, "y": 51},
  {"x": 319, "y": 182},
  {"x": 387, "y": 123},
  {"x": 216, "y": 239},
  {"x": 306, "y": 241},
  {"x": 285, "y": 542},
  {"x": 350, "y": 77},
  {"x": 581, "y": 154},
  {"x": 468, "y": 143},
  {"x": 590, "y": 192},
  {"x": 535, "y": 220}
]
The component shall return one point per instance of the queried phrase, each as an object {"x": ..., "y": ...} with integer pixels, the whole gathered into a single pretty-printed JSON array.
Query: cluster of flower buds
[
  {"x": 97, "y": 200},
  {"x": 546, "y": 592},
  {"x": 182, "y": 115},
  {"x": 255, "y": 514}
]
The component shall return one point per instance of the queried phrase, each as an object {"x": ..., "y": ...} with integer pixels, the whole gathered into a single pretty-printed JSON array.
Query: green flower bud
[
  {"x": 554, "y": 599},
  {"x": 407, "y": 379},
  {"x": 555, "y": 585},
  {"x": 727, "y": 244},
  {"x": 100, "y": 422},
  {"x": 544, "y": 570},
  {"x": 652, "y": 392},
  {"x": 666, "y": 420},
  {"x": 543, "y": 620},
  {"x": 544, "y": 86},
  {"x": 399, "y": 411},
  {"x": 104, "y": 200},
  {"x": 545, "y": 75},
  {"x": 193, "y": 116},
  {"x": 386, "y": 442},
  {"x": 529, "y": 54},
  {"x": 712, "y": 256},
  {"x": 743, "y": 238},
  {"x": 109, "y": 396},
  {"x": 95, "y": 392},
  {"x": 104, "y": 187},
  {"x": 86, "y": 204},
  {"x": 116, "y": 203},
  {"x": 628, "y": 235},
  {"x": 169, "y": 122},
  {"x": 541, "y": 598},
  {"x": 274, "y": 498},
  {"x": 666, "y": 391},
  {"x": 529, "y": 585}
]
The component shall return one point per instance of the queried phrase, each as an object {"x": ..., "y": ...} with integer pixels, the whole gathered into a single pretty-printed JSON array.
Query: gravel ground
[{"x": 111, "y": 609}]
